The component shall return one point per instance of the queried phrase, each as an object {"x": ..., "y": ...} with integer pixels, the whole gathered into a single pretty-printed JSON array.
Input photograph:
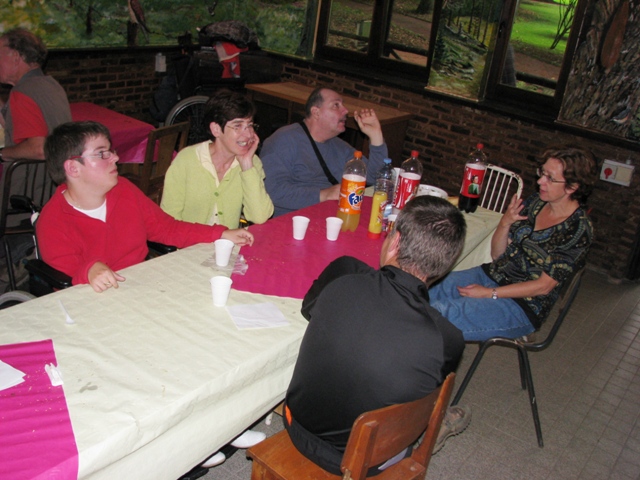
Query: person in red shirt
[
  {"x": 97, "y": 223},
  {"x": 37, "y": 103}
]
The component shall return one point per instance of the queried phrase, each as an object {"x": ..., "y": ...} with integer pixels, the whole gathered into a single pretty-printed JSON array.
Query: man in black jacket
[{"x": 373, "y": 340}]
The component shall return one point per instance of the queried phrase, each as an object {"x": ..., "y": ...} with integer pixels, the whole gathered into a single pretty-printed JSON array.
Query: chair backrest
[
  {"x": 498, "y": 187},
  {"x": 567, "y": 296},
  {"x": 381, "y": 434},
  {"x": 27, "y": 178},
  {"x": 162, "y": 144}
]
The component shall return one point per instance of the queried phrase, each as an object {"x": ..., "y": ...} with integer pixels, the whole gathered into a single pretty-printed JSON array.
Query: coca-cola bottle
[
  {"x": 408, "y": 181},
  {"x": 472, "y": 180}
]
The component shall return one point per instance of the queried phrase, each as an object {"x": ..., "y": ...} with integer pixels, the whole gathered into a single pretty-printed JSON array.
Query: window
[
  {"x": 387, "y": 34},
  {"x": 505, "y": 50},
  {"x": 533, "y": 52}
]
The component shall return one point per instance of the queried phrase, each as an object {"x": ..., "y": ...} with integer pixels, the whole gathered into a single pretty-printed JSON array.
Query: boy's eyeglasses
[{"x": 104, "y": 155}]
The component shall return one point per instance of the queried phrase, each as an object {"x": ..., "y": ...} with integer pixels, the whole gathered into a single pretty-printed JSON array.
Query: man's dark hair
[
  {"x": 30, "y": 47},
  {"x": 68, "y": 140},
  {"x": 315, "y": 100},
  {"x": 225, "y": 106},
  {"x": 432, "y": 233}
]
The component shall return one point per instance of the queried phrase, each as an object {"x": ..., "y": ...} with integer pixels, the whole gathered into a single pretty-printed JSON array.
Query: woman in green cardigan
[{"x": 216, "y": 181}]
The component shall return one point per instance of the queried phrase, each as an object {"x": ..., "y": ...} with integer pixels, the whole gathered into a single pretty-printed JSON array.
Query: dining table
[
  {"x": 280, "y": 265},
  {"x": 128, "y": 135},
  {"x": 156, "y": 378}
]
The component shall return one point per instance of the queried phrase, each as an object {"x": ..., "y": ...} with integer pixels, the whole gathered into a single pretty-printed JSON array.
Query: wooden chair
[
  {"x": 523, "y": 346},
  {"x": 499, "y": 185},
  {"x": 162, "y": 144},
  {"x": 376, "y": 436}
]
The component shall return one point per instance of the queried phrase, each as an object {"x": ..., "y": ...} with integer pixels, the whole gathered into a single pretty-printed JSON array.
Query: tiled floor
[{"x": 588, "y": 389}]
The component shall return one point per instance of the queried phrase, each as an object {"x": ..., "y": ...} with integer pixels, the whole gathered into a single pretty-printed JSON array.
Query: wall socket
[{"x": 616, "y": 172}]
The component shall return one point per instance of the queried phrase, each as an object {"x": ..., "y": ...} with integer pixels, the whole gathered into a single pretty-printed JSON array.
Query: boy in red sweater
[{"x": 97, "y": 223}]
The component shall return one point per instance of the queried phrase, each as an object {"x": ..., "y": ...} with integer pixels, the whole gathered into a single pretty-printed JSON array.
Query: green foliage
[
  {"x": 63, "y": 23},
  {"x": 536, "y": 25},
  {"x": 280, "y": 29}
]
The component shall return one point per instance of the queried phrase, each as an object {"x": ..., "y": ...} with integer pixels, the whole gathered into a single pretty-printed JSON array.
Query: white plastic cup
[
  {"x": 334, "y": 224},
  {"x": 300, "y": 225},
  {"x": 220, "y": 287},
  {"x": 224, "y": 248}
]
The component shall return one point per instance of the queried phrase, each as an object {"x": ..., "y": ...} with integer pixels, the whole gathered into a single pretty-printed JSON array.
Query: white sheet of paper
[
  {"x": 9, "y": 376},
  {"x": 261, "y": 315}
]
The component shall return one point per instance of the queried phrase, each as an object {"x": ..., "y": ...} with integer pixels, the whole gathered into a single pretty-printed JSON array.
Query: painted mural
[{"x": 118, "y": 23}]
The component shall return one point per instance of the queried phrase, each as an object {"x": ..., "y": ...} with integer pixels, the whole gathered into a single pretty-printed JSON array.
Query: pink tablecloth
[
  {"x": 36, "y": 438},
  {"x": 128, "y": 135},
  {"x": 282, "y": 266}
]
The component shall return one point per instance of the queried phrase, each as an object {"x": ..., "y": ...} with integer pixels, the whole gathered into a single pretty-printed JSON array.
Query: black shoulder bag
[{"x": 323, "y": 164}]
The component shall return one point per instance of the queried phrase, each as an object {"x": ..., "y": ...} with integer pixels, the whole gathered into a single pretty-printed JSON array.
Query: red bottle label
[
  {"x": 472, "y": 180},
  {"x": 407, "y": 187}
]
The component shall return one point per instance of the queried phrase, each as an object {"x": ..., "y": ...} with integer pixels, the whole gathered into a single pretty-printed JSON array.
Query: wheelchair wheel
[
  {"x": 190, "y": 109},
  {"x": 9, "y": 299}
]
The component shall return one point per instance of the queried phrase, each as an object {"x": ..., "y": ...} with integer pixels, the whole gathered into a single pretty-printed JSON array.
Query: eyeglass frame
[
  {"x": 243, "y": 128},
  {"x": 100, "y": 155},
  {"x": 541, "y": 173}
]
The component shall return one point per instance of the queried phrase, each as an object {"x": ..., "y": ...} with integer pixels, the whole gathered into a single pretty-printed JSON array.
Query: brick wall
[
  {"x": 120, "y": 79},
  {"x": 444, "y": 132}
]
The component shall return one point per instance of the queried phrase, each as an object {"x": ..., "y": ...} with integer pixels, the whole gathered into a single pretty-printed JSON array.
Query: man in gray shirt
[
  {"x": 295, "y": 177},
  {"x": 37, "y": 103}
]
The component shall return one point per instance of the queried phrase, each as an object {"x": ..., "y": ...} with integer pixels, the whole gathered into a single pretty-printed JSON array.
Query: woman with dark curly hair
[{"x": 538, "y": 246}]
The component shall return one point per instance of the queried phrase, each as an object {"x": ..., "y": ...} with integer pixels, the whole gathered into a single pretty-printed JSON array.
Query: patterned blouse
[{"x": 559, "y": 251}]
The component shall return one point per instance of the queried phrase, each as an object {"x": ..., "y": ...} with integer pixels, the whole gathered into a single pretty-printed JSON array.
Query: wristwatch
[{"x": 494, "y": 294}]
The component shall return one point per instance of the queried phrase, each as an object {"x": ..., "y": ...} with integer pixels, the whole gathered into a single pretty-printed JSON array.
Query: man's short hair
[
  {"x": 432, "y": 233},
  {"x": 225, "y": 106},
  {"x": 68, "y": 140},
  {"x": 315, "y": 100},
  {"x": 30, "y": 47}
]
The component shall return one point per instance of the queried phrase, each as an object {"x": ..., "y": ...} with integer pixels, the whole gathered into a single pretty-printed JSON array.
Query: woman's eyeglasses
[
  {"x": 243, "y": 128},
  {"x": 541, "y": 173}
]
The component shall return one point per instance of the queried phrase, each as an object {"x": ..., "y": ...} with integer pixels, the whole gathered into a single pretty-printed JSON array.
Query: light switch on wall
[{"x": 616, "y": 172}]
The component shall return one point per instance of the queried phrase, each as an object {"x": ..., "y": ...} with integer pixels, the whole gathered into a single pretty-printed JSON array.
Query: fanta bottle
[{"x": 354, "y": 181}]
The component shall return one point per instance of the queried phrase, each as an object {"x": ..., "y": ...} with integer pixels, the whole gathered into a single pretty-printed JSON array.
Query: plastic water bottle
[
  {"x": 352, "y": 188},
  {"x": 384, "y": 179},
  {"x": 382, "y": 200},
  {"x": 472, "y": 180},
  {"x": 408, "y": 182}
]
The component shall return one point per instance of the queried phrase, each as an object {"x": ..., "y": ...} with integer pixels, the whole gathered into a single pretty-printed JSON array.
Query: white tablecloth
[
  {"x": 477, "y": 246},
  {"x": 156, "y": 377}
]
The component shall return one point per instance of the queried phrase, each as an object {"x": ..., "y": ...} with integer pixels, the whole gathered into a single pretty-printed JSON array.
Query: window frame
[
  {"x": 498, "y": 92},
  {"x": 374, "y": 56},
  {"x": 492, "y": 91}
]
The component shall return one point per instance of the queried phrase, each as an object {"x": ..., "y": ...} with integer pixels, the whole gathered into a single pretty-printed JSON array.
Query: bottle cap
[
  {"x": 480, "y": 146},
  {"x": 372, "y": 235},
  {"x": 357, "y": 154},
  {"x": 415, "y": 153}
]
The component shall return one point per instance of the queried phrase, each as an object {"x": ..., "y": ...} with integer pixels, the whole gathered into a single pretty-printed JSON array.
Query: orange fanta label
[{"x": 351, "y": 194}]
